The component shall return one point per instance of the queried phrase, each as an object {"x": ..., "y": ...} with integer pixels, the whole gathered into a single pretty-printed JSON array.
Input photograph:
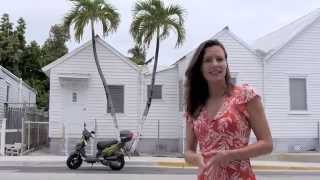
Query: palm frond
[
  {"x": 142, "y": 7},
  {"x": 109, "y": 16},
  {"x": 150, "y": 15},
  {"x": 174, "y": 25},
  {"x": 177, "y": 11},
  {"x": 68, "y": 20},
  {"x": 84, "y": 11},
  {"x": 79, "y": 25}
]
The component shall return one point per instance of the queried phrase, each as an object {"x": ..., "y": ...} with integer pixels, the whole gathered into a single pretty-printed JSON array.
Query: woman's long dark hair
[{"x": 196, "y": 87}]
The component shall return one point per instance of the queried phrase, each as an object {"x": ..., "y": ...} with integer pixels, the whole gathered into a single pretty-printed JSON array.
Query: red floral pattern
[{"x": 229, "y": 129}]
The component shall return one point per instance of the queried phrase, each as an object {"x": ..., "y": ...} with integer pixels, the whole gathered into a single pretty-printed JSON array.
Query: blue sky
[{"x": 248, "y": 19}]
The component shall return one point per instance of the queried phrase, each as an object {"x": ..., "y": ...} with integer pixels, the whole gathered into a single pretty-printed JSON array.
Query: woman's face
[{"x": 214, "y": 64}]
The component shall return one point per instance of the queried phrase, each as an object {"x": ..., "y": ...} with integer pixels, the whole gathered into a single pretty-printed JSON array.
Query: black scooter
[{"x": 110, "y": 153}]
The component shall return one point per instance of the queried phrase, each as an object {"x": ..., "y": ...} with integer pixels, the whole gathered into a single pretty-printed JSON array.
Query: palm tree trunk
[
  {"x": 104, "y": 82},
  {"x": 148, "y": 104}
]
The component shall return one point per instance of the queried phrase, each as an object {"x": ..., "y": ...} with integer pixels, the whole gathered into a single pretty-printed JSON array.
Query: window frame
[
  {"x": 156, "y": 85},
  {"x": 298, "y": 111},
  {"x": 123, "y": 103}
]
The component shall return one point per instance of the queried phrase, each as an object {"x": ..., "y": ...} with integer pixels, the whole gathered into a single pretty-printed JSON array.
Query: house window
[
  {"x": 117, "y": 95},
  {"x": 74, "y": 97},
  {"x": 298, "y": 94},
  {"x": 181, "y": 95},
  {"x": 157, "y": 91},
  {"x": 233, "y": 80}
]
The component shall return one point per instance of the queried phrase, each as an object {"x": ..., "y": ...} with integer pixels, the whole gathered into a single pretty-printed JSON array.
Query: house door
[{"x": 74, "y": 106}]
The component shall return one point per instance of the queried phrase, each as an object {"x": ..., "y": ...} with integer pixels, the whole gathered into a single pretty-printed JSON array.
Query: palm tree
[
  {"x": 84, "y": 12},
  {"x": 138, "y": 54},
  {"x": 152, "y": 19}
]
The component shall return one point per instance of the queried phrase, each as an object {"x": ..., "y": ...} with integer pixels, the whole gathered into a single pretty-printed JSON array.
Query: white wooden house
[
  {"x": 292, "y": 83},
  {"x": 13, "y": 93},
  {"x": 282, "y": 66},
  {"x": 77, "y": 96},
  {"x": 163, "y": 122}
]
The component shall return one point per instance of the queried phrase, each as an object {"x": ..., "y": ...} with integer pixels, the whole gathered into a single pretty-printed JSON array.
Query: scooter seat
[{"x": 103, "y": 144}]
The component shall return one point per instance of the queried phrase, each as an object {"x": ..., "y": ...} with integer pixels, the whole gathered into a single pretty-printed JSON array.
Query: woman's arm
[
  {"x": 191, "y": 156},
  {"x": 259, "y": 124},
  {"x": 260, "y": 127}
]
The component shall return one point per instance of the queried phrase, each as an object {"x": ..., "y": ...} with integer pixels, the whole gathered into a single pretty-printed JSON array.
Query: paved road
[
  {"x": 97, "y": 172},
  {"x": 96, "y": 169},
  {"x": 58, "y": 171},
  {"x": 77, "y": 176},
  {"x": 289, "y": 176}
]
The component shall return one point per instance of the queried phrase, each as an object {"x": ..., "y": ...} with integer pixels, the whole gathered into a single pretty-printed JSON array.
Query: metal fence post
[
  {"x": 29, "y": 129},
  {"x": 3, "y": 136},
  {"x": 183, "y": 135},
  {"x": 319, "y": 135},
  {"x": 158, "y": 138},
  {"x": 22, "y": 133},
  {"x": 38, "y": 135},
  {"x": 94, "y": 139},
  {"x": 64, "y": 134}
]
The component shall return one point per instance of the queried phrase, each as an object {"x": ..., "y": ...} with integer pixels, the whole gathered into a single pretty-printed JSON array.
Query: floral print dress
[{"x": 229, "y": 129}]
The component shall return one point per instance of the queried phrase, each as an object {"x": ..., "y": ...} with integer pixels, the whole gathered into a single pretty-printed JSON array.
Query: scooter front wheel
[
  {"x": 117, "y": 164},
  {"x": 74, "y": 161}
]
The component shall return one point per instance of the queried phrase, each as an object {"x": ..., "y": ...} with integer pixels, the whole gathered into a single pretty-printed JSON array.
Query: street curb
[
  {"x": 174, "y": 164},
  {"x": 260, "y": 166},
  {"x": 255, "y": 167},
  {"x": 290, "y": 168}
]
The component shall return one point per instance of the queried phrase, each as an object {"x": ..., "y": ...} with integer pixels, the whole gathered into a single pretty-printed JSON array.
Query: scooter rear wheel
[
  {"x": 74, "y": 161},
  {"x": 118, "y": 164}
]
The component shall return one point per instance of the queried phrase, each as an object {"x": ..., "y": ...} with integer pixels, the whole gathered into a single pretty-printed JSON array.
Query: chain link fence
[{"x": 26, "y": 129}]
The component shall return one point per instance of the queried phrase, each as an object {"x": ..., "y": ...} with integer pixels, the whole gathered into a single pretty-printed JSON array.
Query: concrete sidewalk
[{"x": 170, "y": 162}]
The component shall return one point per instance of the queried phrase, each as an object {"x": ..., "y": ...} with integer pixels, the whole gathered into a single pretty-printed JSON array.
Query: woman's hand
[
  {"x": 199, "y": 161},
  {"x": 218, "y": 158},
  {"x": 196, "y": 159}
]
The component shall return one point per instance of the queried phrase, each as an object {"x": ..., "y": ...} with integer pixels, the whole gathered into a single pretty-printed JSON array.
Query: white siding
[
  {"x": 13, "y": 90},
  {"x": 14, "y": 84},
  {"x": 301, "y": 57},
  {"x": 3, "y": 90},
  {"x": 116, "y": 71},
  {"x": 166, "y": 109}
]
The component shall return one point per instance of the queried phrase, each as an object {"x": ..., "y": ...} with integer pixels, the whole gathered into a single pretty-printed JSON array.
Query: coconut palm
[
  {"x": 152, "y": 19},
  {"x": 90, "y": 12},
  {"x": 138, "y": 54}
]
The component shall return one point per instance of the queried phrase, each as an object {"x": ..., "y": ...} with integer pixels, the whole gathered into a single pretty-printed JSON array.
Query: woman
[{"x": 220, "y": 117}]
